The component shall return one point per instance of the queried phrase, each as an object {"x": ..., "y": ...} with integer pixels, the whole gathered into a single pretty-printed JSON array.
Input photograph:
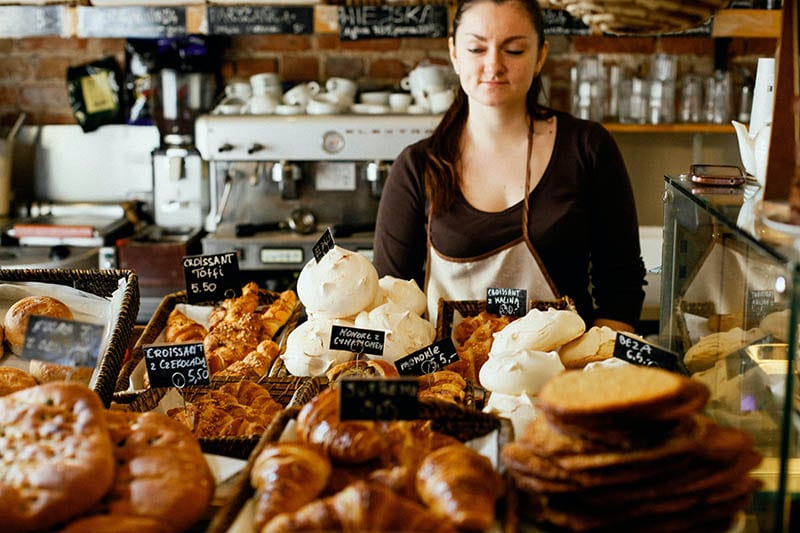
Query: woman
[{"x": 509, "y": 194}]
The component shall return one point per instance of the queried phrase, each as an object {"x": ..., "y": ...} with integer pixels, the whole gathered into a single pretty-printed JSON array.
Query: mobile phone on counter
[{"x": 717, "y": 175}]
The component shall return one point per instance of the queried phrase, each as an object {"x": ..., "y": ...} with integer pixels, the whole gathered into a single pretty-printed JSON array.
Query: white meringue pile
[
  {"x": 344, "y": 289},
  {"x": 523, "y": 356}
]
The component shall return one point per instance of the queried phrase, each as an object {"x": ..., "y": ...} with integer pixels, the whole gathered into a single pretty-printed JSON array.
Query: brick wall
[{"x": 32, "y": 70}]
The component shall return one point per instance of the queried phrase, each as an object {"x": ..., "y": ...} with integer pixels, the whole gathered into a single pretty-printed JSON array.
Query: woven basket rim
[{"x": 100, "y": 282}]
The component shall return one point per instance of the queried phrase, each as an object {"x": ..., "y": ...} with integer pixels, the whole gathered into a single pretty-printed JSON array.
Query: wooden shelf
[
  {"x": 669, "y": 128},
  {"x": 747, "y": 23}
]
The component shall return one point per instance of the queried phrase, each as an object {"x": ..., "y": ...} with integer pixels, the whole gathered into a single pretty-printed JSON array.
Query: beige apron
[{"x": 515, "y": 265}]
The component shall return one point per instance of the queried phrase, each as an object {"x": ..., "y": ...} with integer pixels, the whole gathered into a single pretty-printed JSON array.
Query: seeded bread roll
[{"x": 16, "y": 319}]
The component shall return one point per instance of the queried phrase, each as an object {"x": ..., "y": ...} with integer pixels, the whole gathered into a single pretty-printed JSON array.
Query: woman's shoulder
[{"x": 572, "y": 124}]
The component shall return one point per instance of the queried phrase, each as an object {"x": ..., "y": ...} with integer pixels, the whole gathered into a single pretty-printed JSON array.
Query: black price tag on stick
[
  {"x": 324, "y": 245},
  {"x": 378, "y": 399},
  {"x": 65, "y": 342},
  {"x": 357, "y": 340},
  {"x": 211, "y": 277},
  {"x": 176, "y": 365},
  {"x": 506, "y": 302},
  {"x": 428, "y": 360},
  {"x": 642, "y": 353}
]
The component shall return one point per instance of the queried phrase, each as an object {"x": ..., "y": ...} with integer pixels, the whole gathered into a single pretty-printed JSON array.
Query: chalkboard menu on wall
[
  {"x": 389, "y": 22},
  {"x": 262, "y": 20},
  {"x": 31, "y": 21},
  {"x": 560, "y": 22},
  {"x": 131, "y": 21}
]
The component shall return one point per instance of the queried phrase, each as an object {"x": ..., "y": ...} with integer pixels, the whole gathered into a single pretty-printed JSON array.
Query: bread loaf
[
  {"x": 13, "y": 379},
  {"x": 57, "y": 459},
  {"x": 16, "y": 319}
]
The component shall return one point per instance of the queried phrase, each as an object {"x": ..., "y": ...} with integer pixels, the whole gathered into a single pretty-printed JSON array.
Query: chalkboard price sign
[
  {"x": 357, "y": 340},
  {"x": 378, "y": 399},
  {"x": 642, "y": 353},
  {"x": 391, "y": 22},
  {"x": 176, "y": 365},
  {"x": 211, "y": 277},
  {"x": 506, "y": 302},
  {"x": 30, "y": 21},
  {"x": 261, "y": 20},
  {"x": 560, "y": 22},
  {"x": 759, "y": 304},
  {"x": 65, "y": 342},
  {"x": 323, "y": 245},
  {"x": 428, "y": 360},
  {"x": 131, "y": 21}
]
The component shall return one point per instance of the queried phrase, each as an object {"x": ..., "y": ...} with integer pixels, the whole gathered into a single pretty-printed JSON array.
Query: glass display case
[{"x": 730, "y": 299}]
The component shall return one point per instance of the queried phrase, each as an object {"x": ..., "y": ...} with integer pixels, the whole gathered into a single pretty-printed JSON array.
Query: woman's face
[{"x": 495, "y": 53}]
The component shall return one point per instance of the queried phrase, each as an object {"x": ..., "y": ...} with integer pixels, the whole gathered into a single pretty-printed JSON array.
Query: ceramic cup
[
  {"x": 375, "y": 98},
  {"x": 345, "y": 89},
  {"x": 323, "y": 104},
  {"x": 266, "y": 83},
  {"x": 238, "y": 89},
  {"x": 399, "y": 102},
  {"x": 301, "y": 93},
  {"x": 440, "y": 101},
  {"x": 232, "y": 105},
  {"x": 261, "y": 104},
  {"x": 288, "y": 109},
  {"x": 425, "y": 76}
]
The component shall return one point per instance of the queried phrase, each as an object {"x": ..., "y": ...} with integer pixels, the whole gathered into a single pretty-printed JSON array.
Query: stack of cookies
[{"x": 627, "y": 448}]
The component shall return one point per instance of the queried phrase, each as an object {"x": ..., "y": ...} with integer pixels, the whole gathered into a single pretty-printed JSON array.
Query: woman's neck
[{"x": 496, "y": 125}]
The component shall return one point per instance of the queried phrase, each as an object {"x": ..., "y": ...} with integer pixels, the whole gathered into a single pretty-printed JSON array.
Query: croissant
[
  {"x": 445, "y": 385},
  {"x": 345, "y": 441},
  {"x": 256, "y": 364},
  {"x": 362, "y": 506},
  {"x": 459, "y": 483},
  {"x": 229, "y": 308},
  {"x": 278, "y": 312},
  {"x": 181, "y": 328},
  {"x": 286, "y": 476}
]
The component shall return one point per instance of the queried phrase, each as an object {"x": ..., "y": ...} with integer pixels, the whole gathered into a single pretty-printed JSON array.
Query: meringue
[
  {"x": 524, "y": 372},
  {"x": 403, "y": 292},
  {"x": 539, "y": 331},
  {"x": 406, "y": 331},
  {"x": 308, "y": 350},
  {"x": 341, "y": 285},
  {"x": 520, "y": 409}
]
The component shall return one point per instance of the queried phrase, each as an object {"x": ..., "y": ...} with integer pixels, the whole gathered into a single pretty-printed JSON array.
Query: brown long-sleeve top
[{"x": 582, "y": 223}]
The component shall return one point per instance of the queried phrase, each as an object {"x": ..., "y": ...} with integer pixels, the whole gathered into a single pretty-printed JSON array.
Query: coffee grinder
[{"x": 184, "y": 86}]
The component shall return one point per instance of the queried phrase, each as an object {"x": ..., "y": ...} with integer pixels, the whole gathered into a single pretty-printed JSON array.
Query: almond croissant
[
  {"x": 344, "y": 441},
  {"x": 286, "y": 476},
  {"x": 362, "y": 506},
  {"x": 459, "y": 483}
]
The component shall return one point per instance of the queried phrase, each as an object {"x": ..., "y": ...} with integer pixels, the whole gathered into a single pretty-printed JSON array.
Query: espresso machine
[{"x": 277, "y": 182}]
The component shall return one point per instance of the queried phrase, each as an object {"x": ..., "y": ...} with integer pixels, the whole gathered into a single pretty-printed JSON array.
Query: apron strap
[{"x": 525, "y": 200}]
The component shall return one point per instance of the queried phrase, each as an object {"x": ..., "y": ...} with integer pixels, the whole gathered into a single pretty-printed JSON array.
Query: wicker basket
[
  {"x": 158, "y": 322},
  {"x": 642, "y": 17},
  {"x": 102, "y": 283},
  {"x": 463, "y": 424},
  {"x": 289, "y": 392}
]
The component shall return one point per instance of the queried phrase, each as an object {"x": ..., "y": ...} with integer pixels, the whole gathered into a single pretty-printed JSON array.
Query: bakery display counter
[{"x": 730, "y": 298}]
